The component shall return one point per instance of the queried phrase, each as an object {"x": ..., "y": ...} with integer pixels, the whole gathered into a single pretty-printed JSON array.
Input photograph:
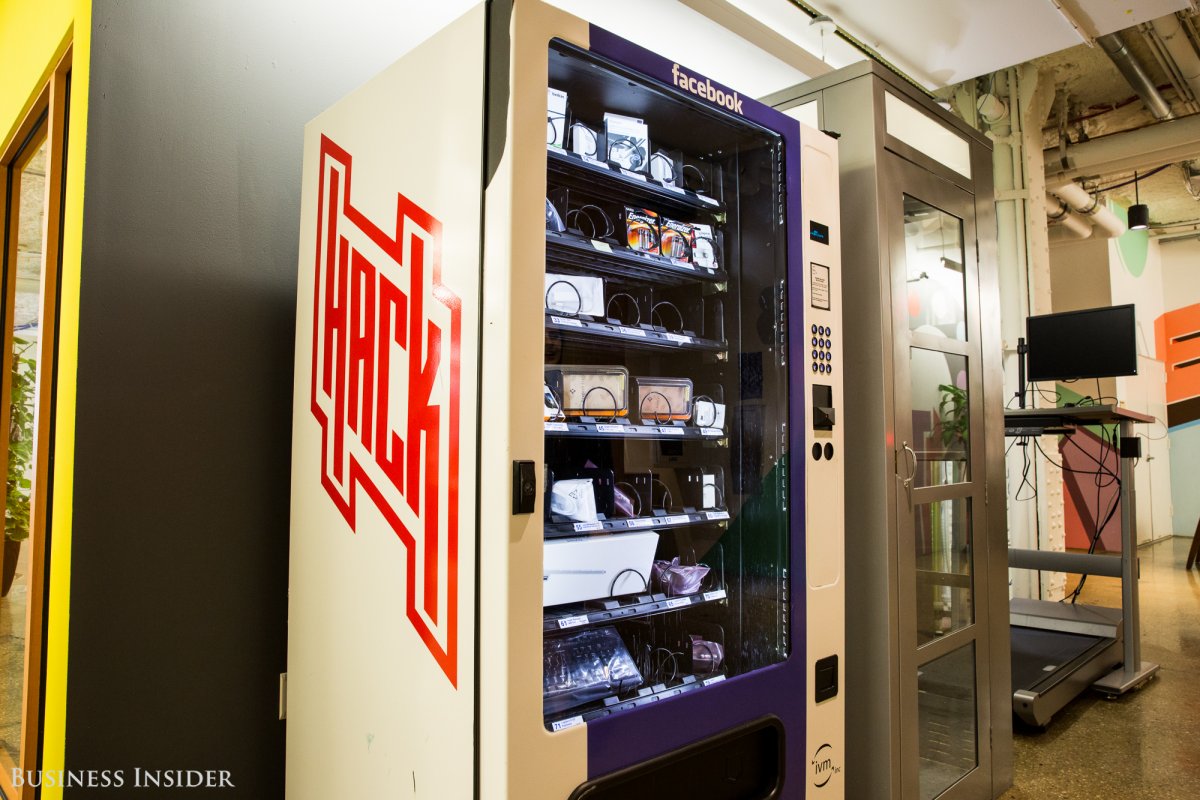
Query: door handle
[{"x": 912, "y": 472}]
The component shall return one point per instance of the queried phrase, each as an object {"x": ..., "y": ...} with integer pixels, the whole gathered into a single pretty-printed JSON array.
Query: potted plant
[{"x": 20, "y": 457}]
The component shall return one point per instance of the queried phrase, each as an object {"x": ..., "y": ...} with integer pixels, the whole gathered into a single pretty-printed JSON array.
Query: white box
[{"x": 590, "y": 567}]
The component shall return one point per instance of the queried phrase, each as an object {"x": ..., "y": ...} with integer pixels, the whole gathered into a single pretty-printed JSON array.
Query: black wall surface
[{"x": 180, "y": 541}]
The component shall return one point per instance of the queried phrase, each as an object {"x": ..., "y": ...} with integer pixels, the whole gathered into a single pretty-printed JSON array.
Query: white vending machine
[{"x": 567, "y": 459}]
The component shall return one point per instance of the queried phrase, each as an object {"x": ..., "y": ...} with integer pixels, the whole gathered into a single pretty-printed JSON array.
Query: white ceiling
[{"x": 943, "y": 42}]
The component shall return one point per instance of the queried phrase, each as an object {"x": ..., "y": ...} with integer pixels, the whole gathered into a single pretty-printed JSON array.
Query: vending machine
[{"x": 567, "y": 452}]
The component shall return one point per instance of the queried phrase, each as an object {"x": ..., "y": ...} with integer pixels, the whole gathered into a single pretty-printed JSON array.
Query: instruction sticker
[{"x": 819, "y": 286}]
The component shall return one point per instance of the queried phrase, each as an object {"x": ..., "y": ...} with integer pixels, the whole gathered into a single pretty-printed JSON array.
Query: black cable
[{"x": 1140, "y": 177}]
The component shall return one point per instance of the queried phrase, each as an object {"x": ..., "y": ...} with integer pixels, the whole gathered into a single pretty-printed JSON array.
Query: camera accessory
[
  {"x": 600, "y": 226},
  {"x": 554, "y": 222},
  {"x": 627, "y": 142},
  {"x": 583, "y": 141},
  {"x": 574, "y": 499},
  {"x": 662, "y": 400},
  {"x": 627, "y": 301},
  {"x": 707, "y": 413},
  {"x": 641, "y": 230},
  {"x": 704, "y": 248},
  {"x": 573, "y": 295},
  {"x": 674, "y": 579},
  {"x": 677, "y": 240},
  {"x": 590, "y": 391},
  {"x": 556, "y": 117}
]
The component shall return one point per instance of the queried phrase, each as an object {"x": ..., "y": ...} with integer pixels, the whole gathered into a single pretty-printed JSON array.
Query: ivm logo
[{"x": 823, "y": 768}]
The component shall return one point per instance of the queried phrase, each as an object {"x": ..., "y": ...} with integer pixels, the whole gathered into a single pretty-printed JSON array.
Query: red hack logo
[{"x": 385, "y": 389}]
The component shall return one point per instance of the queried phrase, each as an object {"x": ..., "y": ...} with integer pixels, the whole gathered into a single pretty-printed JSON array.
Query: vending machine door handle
[{"x": 912, "y": 471}]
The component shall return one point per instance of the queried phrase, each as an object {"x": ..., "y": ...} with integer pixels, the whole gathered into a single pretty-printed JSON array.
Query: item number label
[
  {"x": 711, "y": 431},
  {"x": 574, "y": 323},
  {"x": 589, "y": 526},
  {"x": 610, "y": 428},
  {"x": 714, "y": 679},
  {"x": 636, "y": 175},
  {"x": 679, "y": 601},
  {"x": 601, "y": 246},
  {"x": 631, "y": 331},
  {"x": 572, "y": 622},
  {"x": 678, "y": 519},
  {"x": 563, "y": 724},
  {"x": 556, "y": 426},
  {"x": 640, "y": 523},
  {"x": 717, "y": 514},
  {"x": 671, "y": 431},
  {"x": 679, "y": 338},
  {"x": 719, "y": 594},
  {"x": 595, "y": 162}
]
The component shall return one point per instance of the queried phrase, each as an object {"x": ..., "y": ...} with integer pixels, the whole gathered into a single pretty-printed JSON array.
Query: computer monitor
[{"x": 1092, "y": 343}]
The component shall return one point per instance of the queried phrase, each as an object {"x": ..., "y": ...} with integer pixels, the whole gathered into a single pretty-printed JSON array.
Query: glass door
[{"x": 939, "y": 473}]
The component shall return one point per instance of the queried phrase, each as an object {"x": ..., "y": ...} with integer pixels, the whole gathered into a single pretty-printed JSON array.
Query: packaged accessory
[
  {"x": 707, "y": 656},
  {"x": 552, "y": 406},
  {"x": 627, "y": 142},
  {"x": 674, "y": 579},
  {"x": 573, "y": 295},
  {"x": 590, "y": 391},
  {"x": 704, "y": 248},
  {"x": 584, "y": 667},
  {"x": 574, "y": 499},
  {"x": 662, "y": 400},
  {"x": 581, "y": 568},
  {"x": 702, "y": 489},
  {"x": 707, "y": 413},
  {"x": 665, "y": 167},
  {"x": 556, "y": 117},
  {"x": 554, "y": 222},
  {"x": 641, "y": 230},
  {"x": 677, "y": 240},
  {"x": 583, "y": 141}
]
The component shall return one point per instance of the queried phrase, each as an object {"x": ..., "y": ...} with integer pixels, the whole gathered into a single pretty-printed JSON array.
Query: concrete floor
[{"x": 1145, "y": 744}]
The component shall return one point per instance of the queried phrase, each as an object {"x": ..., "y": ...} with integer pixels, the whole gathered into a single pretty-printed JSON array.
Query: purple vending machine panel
[{"x": 674, "y": 532}]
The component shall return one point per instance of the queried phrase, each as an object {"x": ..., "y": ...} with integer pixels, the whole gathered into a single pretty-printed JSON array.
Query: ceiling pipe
[
  {"x": 1106, "y": 223},
  {"x": 1141, "y": 149},
  {"x": 1174, "y": 54},
  {"x": 1114, "y": 47},
  {"x": 1060, "y": 216}
]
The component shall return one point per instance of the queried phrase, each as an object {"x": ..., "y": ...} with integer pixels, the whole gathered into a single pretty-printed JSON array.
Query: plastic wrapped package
[
  {"x": 585, "y": 391},
  {"x": 584, "y": 667},
  {"x": 663, "y": 400}
]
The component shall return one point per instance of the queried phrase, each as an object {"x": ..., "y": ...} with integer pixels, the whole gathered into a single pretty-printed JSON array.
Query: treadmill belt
[{"x": 1036, "y": 653}]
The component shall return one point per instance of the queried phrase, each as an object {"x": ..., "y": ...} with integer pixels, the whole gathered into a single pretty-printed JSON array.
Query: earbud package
[
  {"x": 704, "y": 248},
  {"x": 641, "y": 230},
  {"x": 556, "y": 118},
  {"x": 708, "y": 414},
  {"x": 627, "y": 142},
  {"x": 676, "y": 240}
]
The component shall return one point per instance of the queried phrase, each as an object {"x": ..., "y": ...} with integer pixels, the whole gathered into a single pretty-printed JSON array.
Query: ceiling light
[{"x": 1139, "y": 212}]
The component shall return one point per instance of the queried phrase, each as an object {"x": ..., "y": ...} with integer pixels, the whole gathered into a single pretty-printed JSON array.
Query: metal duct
[
  {"x": 1141, "y": 149},
  {"x": 1060, "y": 216},
  {"x": 1106, "y": 222},
  {"x": 1114, "y": 46}
]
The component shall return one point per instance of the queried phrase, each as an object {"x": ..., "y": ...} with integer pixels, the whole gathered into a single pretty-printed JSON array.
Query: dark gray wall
[{"x": 180, "y": 543}]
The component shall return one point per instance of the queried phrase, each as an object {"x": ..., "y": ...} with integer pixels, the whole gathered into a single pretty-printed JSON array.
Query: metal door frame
[{"x": 900, "y": 177}]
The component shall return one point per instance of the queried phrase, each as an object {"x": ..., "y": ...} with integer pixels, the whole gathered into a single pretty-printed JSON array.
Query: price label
[
  {"x": 595, "y": 162},
  {"x": 610, "y": 428},
  {"x": 679, "y": 338},
  {"x": 671, "y": 431},
  {"x": 679, "y": 601},
  {"x": 717, "y": 514},
  {"x": 636, "y": 175},
  {"x": 674, "y": 189},
  {"x": 719, "y": 594},
  {"x": 631, "y": 331},
  {"x": 709, "y": 200},
  {"x": 601, "y": 246},
  {"x": 556, "y": 426},
  {"x": 711, "y": 431},
  {"x": 563, "y": 724},
  {"x": 640, "y": 523},
  {"x": 588, "y": 526},
  {"x": 713, "y": 679},
  {"x": 572, "y": 622},
  {"x": 574, "y": 323},
  {"x": 677, "y": 519}
]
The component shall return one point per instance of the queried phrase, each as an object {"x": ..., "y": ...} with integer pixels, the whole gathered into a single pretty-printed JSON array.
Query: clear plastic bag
[{"x": 584, "y": 667}]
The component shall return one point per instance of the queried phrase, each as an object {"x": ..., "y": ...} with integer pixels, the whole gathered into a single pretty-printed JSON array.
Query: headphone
[
  {"x": 626, "y": 152},
  {"x": 588, "y": 212}
]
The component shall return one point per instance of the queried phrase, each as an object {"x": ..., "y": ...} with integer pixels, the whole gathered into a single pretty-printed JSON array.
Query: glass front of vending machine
[{"x": 671, "y": 540}]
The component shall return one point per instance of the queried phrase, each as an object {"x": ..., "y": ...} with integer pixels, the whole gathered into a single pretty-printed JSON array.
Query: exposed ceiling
[{"x": 943, "y": 42}]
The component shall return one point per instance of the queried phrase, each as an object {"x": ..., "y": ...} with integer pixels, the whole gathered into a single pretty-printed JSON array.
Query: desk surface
[{"x": 1074, "y": 415}]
